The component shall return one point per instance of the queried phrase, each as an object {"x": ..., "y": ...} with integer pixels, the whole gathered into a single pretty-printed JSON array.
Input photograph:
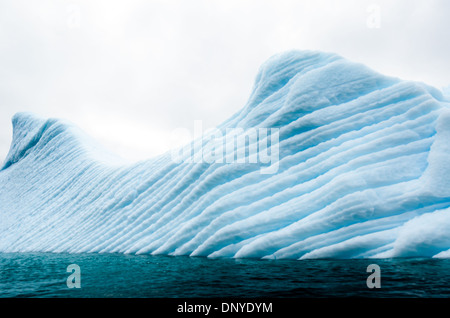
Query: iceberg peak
[{"x": 27, "y": 130}]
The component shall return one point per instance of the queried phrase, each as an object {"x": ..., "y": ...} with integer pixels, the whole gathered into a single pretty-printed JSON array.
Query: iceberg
[{"x": 361, "y": 171}]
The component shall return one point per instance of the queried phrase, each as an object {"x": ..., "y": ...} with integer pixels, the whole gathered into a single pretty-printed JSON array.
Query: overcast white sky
[{"x": 130, "y": 72}]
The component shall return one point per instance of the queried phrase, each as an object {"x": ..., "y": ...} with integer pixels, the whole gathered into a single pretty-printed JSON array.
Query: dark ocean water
[{"x": 117, "y": 275}]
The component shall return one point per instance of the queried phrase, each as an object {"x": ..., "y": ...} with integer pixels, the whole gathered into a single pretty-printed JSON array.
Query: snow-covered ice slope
[{"x": 363, "y": 171}]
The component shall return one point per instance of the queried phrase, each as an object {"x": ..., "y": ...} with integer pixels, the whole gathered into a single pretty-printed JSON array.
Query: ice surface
[{"x": 363, "y": 172}]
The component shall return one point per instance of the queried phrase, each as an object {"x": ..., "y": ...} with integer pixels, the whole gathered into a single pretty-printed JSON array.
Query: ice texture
[{"x": 363, "y": 172}]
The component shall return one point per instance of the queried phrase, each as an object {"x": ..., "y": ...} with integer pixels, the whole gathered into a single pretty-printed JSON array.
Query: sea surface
[{"x": 141, "y": 276}]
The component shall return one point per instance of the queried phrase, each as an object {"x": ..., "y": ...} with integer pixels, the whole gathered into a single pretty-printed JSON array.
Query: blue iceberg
[{"x": 361, "y": 171}]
